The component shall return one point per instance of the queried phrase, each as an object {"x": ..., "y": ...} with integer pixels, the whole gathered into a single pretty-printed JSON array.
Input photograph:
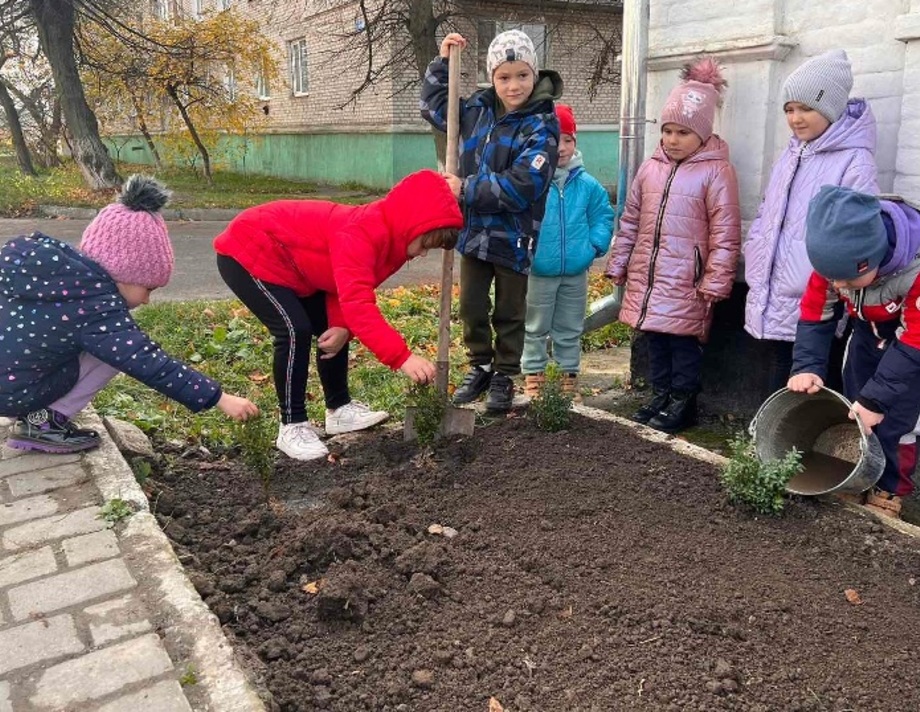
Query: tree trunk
[
  {"x": 422, "y": 26},
  {"x": 55, "y": 23},
  {"x": 202, "y": 150},
  {"x": 142, "y": 125},
  {"x": 19, "y": 139}
]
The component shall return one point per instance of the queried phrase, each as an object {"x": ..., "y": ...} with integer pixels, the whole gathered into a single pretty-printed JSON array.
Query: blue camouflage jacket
[
  {"x": 56, "y": 303},
  {"x": 506, "y": 163}
]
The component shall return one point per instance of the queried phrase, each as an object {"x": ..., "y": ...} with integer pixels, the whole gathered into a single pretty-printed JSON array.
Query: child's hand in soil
[
  {"x": 236, "y": 407},
  {"x": 331, "y": 341},
  {"x": 454, "y": 38},
  {"x": 867, "y": 417},
  {"x": 420, "y": 370},
  {"x": 805, "y": 383}
]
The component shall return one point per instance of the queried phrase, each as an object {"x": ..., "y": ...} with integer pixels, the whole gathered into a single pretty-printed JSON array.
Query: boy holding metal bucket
[{"x": 866, "y": 256}]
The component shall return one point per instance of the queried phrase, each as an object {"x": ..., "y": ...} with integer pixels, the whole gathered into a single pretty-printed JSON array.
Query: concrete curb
[
  {"x": 700, "y": 453},
  {"x": 191, "y": 632}
]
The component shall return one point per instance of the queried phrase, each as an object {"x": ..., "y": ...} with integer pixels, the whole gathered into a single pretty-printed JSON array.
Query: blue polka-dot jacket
[{"x": 56, "y": 303}]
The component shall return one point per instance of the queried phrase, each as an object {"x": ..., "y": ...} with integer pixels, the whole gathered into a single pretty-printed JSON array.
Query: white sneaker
[
  {"x": 300, "y": 442},
  {"x": 351, "y": 417}
]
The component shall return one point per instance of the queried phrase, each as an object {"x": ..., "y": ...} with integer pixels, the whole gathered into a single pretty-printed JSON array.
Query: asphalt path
[{"x": 195, "y": 275}]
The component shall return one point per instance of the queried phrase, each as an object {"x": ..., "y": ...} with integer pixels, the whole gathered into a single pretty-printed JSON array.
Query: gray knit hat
[
  {"x": 822, "y": 83},
  {"x": 511, "y": 46},
  {"x": 845, "y": 236}
]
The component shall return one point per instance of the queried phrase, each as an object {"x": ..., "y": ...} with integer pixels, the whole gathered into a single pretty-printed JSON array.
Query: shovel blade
[{"x": 455, "y": 421}]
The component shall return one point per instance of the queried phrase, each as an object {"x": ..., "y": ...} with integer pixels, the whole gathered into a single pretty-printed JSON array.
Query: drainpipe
[{"x": 633, "y": 89}]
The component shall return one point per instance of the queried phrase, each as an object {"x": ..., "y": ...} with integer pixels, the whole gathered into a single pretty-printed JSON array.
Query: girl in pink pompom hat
[
  {"x": 677, "y": 245},
  {"x": 70, "y": 311}
]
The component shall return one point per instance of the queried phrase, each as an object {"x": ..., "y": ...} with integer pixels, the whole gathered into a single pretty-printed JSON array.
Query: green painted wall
[{"x": 378, "y": 160}]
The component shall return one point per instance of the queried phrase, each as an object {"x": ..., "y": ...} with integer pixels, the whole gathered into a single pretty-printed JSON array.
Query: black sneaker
[
  {"x": 475, "y": 383},
  {"x": 680, "y": 414},
  {"x": 48, "y": 431},
  {"x": 501, "y": 394}
]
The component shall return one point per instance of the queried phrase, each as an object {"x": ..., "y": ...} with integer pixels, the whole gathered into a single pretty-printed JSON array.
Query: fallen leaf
[
  {"x": 208, "y": 313},
  {"x": 853, "y": 596},
  {"x": 257, "y": 377},
  {"x": 313, "y": 587},
  {"x": 435, "y": 529},
  {"x": 332, "y": 457},
  {"x": 495, "y": 705},
  {"x": 449, "y": 532}
]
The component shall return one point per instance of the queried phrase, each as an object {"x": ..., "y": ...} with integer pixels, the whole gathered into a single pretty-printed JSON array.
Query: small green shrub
[
  {"x": 115, "y": 510},
  {"x": 256, "y": 438},
  {"x": 429, "y": 405},
  {"x": 142, "y": 470},
  {"x": 552, "y": 409},
  {"x": 757, "y": 484}
]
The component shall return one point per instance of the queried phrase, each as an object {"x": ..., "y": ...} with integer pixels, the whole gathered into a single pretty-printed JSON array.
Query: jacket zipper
[
  {"x": 656, "y": 243},
  {"x": 798, "y": 162},
  {"x": 562, "y": 228}
]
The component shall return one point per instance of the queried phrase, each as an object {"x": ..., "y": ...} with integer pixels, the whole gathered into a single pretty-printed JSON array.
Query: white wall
[{"x": 761, "y": 41}]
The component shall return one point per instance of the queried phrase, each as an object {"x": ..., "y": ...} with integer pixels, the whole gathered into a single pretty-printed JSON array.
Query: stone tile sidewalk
[{"x": 95, "y": 617}]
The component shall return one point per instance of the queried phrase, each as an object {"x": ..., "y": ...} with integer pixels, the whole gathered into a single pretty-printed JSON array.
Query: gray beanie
[
  {"x": 845, "y": 236},
  {"x": 822, "y": 83}
]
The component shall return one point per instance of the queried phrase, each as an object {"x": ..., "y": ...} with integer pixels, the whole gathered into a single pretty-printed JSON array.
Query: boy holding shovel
[{"x": 509, "y": 150}]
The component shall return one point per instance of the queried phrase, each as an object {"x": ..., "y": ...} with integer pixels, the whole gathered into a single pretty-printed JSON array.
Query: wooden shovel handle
[{"x": 451, "y": 165}]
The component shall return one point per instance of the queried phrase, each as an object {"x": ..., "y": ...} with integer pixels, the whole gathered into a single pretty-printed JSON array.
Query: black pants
[
  {"x": 674, "y": 362},
  {"x": 479, "y": 318},
  {"x": 293, "y": 322},
  {"x": 779, "y": 355}
]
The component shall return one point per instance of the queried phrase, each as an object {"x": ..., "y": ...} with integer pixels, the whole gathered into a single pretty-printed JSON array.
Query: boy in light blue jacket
[{"x": 577, "y": 229}]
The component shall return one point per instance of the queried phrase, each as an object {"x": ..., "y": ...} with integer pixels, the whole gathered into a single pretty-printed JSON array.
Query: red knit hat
[
  {"x": 129, "y": 238},
  {"x": 566, "y": 119},
  {"x": 693, "y": 102}
]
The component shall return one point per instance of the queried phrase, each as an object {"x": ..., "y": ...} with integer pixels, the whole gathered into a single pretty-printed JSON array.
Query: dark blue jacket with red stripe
[
  {"x": 507, "y": 163},
  {"x": 891, "y": 305}
]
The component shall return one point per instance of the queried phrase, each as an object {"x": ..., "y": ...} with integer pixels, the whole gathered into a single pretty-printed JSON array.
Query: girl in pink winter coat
[{"x": 678, "y": 244}]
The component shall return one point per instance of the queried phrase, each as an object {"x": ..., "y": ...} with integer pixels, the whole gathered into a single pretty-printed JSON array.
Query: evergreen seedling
[
  {"x": 429, "y": 406},
  {"x": 256, "y": 437},
  {"x": 552, "y": 409},
  {"x": 761, "y": 485}
]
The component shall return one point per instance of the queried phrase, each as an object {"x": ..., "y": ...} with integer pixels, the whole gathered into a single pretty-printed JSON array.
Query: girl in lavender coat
[
  {"x": 832, "y": 143},
  {"x": 678, "y": 245}
]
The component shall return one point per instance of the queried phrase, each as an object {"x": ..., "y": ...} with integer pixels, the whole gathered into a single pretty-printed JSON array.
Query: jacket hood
[
  {"x": 855, "y": 129},
  {"x": 549, "y": 88},
  {"x": 903, "y": 226},
  {"x": 572, "y": 168},
  {"x": 39, "y": 268},
  {"x": 419, "y": 203},
  {"x": 715, "y": 149}
]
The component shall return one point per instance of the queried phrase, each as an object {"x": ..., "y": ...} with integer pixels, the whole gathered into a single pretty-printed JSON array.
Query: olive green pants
[{"x": 480, "y": 318}]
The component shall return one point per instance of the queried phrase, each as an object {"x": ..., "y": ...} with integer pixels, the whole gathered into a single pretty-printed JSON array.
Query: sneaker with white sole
[
  {"x": 351, "y": 417},
  {"x": 300, "y": 442}
]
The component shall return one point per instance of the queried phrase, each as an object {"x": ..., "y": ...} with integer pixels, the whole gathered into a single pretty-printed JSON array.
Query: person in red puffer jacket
[{"x": 308, "y": 269}]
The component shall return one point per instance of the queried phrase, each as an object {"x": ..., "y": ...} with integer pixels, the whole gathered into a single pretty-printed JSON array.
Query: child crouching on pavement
[
  {"x": 66, "y": 328},
  {"x": 866, "y": 255}
]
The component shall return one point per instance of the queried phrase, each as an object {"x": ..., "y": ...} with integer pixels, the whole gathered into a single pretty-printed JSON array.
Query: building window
[
  {"x": 263, "y": 91},
  {"x": 299, "y": 80},
  {"x": 230, "y": 84},
  {"x": 161, "y": 9},
  {"x": 198, "y": 8},
  {"x": 488, "y": 29},
  {"x": 225, "y": 4}
]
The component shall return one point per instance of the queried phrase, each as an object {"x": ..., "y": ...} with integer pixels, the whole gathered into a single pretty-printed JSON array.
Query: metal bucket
[{"x": 839, "y": 455}]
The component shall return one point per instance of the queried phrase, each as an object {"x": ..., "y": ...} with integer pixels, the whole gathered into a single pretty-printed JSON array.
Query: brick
[
  {"x": 90, "y": 547},
  {"x": 80, "y": 521},
  {"x": 6, "y": 703},
  {"x": 36, "y": 482},
  {"x": 166, "y": 696},
  {"x": 37, "y": 642},
  {"x": 70, "y": 588},
  {"x": 29, "y": 462},
  {"x": 100, "y": 673},
  {"x": 122, "y": 617},
  {"x": 23, "y": 510},
  {"x": 16, "y": 568}
]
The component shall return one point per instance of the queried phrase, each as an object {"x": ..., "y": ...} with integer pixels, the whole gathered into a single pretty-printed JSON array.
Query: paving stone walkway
[{"x": 80, "y": 628}]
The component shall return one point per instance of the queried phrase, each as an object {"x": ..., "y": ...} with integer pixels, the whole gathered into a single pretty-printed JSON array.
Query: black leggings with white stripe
[{"x": 293, "y": 323}]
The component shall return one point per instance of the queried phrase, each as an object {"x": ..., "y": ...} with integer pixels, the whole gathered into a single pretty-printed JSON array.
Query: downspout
[{"x": 633, "y": 90}]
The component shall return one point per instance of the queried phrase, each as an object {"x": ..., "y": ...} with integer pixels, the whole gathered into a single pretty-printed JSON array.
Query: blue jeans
[{"x": 556, "y": 314}]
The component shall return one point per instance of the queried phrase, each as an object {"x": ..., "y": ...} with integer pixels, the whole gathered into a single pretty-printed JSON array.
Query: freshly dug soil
[{"x": 591, "y": 570}]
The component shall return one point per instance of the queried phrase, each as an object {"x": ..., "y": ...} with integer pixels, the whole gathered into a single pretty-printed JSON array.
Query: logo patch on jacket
[{"x": 538, "y": 161}]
